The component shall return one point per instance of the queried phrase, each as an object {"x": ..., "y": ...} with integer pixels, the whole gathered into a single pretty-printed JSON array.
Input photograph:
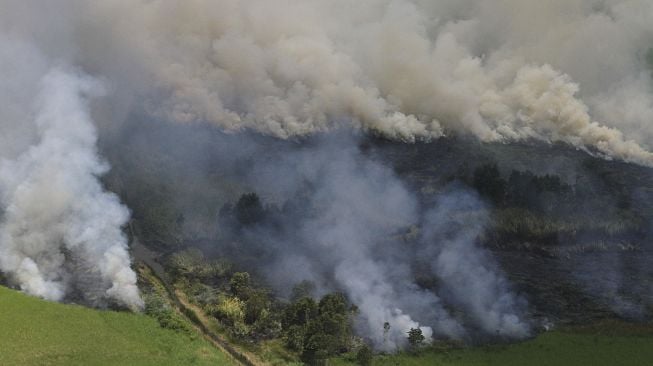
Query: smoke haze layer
[{"x": 573, "y": 71}]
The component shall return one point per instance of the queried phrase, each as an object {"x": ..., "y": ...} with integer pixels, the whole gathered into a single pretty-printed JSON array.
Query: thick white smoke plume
[
  {"x": 574, "y": 71},
  {"x": 60, "y": 232}
]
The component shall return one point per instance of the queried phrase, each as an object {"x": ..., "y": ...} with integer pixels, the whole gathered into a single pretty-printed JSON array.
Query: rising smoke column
[
  {"x": 470, "y": 277},
  {"x": 56, "y": 214}
]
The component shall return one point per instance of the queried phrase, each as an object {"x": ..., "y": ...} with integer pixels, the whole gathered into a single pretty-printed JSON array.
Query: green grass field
[
  {"x": 609, "y": 344},
  {"x": 37, "y": 332}
]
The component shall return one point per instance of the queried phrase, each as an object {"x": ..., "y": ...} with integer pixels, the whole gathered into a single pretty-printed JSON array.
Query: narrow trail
[{"x": 189, "y": 311}]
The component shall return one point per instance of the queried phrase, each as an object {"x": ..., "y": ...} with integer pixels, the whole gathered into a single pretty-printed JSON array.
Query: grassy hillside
[
  {"x": 610, "y": 343},
  {"x": 36, "y": 332}
]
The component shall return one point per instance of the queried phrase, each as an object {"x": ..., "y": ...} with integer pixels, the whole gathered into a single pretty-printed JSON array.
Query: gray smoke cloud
[
  {"x": 56, "y": 217},
  {"x": 346, "y": 231},
  {"x": 470, "y": 277},
  {"x": 572, "y": 71}
]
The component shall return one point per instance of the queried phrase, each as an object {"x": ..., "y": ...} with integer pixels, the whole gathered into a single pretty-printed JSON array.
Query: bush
[
  {"x": 294, "y": 338},
  {"x": 249, "y": 209},
  {"x": 230, "y": 310},
  {"x": 239, "y": 284},
  {"x": 318, "y": 330},
  {"x": 415, "y": 337},
  {"x": 364, "y": 356},
  {"x": 158, "y": 308},
  {"x": 191, "y": 263},
  {"x": 267, "y": 325},
  {"x": 257, "y": 303},
  {"x": 300, "y": 312}
]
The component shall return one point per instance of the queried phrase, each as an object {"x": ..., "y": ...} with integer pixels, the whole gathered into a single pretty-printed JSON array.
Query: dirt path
[
  {"x": 201, "y": 322},
  {"x": 200, "y": 319}
]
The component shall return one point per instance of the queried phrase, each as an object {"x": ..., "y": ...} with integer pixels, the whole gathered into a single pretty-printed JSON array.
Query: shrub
[
  {"x": 231, "y": 310},
  {"x": 364, "y": 356}
]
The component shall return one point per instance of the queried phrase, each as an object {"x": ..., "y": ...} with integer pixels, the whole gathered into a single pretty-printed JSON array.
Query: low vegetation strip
[
  {"x": 37, "y": 332},
  {"x": 609, "y": 344},
  {"x": 192, "y": 314}
]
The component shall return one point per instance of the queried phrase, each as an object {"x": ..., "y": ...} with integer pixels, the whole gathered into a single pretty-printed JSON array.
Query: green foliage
[
  {"x": 415, "y": 337},
  {"x": 364, "y": 356},
  {"x": 230, "y": 310},
  {"x": 239, "y": 284},
  {"x": 597, "y": 346},
  {"x": 318, "y": 330},
  {"x": 335, "y": 304},
  {"x": 294, "y": 338},
  {"x": 527, "y": 225},
  {"x": 302, "y": 289},
  {"x": 191, "y": 263},
  {"x": 300, "y": 312},
  {"x": 159, "y": 309},
  {"x": 257, "y": 303},
  {"x": 267, "y": 325},
  {"x": 318, "y": 348}
]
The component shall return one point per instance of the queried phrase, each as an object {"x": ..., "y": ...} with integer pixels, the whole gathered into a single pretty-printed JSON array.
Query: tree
[
  {"x": 249, "y": 209},
  {"x": 489, "y": 184},
  {"x": 301, "y": 312},
  {"x": 520, "y": 191},
  {"x": 364, "y": 356},
  {"x": 239, "y": 284},
  {"x": 415, "y": 337},
  {"x": 318, "y": 348},
  {"x": 302, "y": 289},
  {"x": 333, "y": 304},
  {"x": 322, "y": 330},
  {"x": 295, "y": 338},
  {"x": 257, "y": 302}
]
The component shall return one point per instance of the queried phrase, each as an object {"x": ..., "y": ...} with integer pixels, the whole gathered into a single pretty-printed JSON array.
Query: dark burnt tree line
[{"x": 547, "y": 209}]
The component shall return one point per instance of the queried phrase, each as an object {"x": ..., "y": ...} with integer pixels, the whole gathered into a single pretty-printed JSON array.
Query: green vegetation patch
[
  {"x": 602, "y": 344},
  {"x": 37, "y": 332}
]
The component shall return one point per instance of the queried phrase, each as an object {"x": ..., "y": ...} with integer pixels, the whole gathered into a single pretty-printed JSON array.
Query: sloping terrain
[{"x": 37, "y": 332}]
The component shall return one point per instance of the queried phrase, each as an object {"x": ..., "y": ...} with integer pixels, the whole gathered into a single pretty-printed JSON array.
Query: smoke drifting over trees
[
  {"x": 320, "y": 72},
  {"x": 572, "y": 71}
]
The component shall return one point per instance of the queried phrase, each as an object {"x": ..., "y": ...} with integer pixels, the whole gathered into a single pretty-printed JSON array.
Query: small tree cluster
[{"x": 318, "y": 330}]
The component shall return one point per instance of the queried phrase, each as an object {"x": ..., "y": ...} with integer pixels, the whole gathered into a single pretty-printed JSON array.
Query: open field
[
  {"x": 609, "y": 343},
  {"x": 37, "y": 332}
]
